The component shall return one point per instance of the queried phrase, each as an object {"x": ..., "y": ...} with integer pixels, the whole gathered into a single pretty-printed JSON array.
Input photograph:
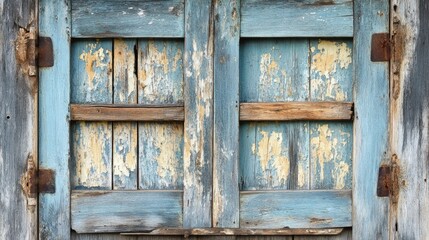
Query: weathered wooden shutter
[{"x": 207, "y": 114}]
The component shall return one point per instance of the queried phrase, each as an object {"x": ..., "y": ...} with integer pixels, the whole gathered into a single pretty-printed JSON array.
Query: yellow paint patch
[
  {"x": 340, "y": 173},
  {"x": 323, "y": 147},
  {"x": 270, "y": 152},
  {"x": 90, "y": 148},
  {"x": 97, "y": 64},
  {"x": 124, "y": 151},
  {"x": 124, "y": 71}
]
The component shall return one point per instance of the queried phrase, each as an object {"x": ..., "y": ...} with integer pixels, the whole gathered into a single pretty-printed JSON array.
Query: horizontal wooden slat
[
  {"x": 238, "y": 232},
  {"x": 284, "y": 111},
  {"x": 86, "y": 112},
  {"x": 307, "y": 18},
  {"x": 296, "y": 209},
  {"x": 129, "y": 18},
  {"x": 296, "y": 111},
  {"x": 125, "y": 211}
]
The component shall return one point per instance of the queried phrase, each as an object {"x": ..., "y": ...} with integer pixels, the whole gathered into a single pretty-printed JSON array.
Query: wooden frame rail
[{"x": 280, "y": 111}]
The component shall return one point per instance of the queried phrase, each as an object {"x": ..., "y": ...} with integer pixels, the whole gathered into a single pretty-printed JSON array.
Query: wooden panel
[
  {"x": 331, "y": 143},
  {"x": 198, "y": 149},
  {"x": 160, "y": 74},
  {"x": 124, "y": 134},
  {"x": 18, "y": 114},
  {"x": 153, "y": 113},
  {"x": 54, "y": 138},
  {"x": 409, "y": 205},
  {"x": 274, "y": 155},
  {"x": 91, "y": 80},
  {"x": 226, "y": 115},
  {"x": 125, "y": 211},
  {"x": 370, "y": 125},
  {"x": 287, "y": 111},
  {"x": 288, "y": 209},
  {"x": 131, "y": 18},
  {"x": 308, "y": 18}
]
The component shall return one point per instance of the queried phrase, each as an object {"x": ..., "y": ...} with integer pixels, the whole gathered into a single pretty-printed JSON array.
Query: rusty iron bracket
[
  {"x": 380, "y": 47},
  {"x": 384, "y": 182},
  {"x": 46, "y": 52},
  {"x": 37, "y": 181}
]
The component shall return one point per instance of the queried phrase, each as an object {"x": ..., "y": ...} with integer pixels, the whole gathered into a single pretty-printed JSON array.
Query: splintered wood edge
[
  {"x": 284, "y": 111},
  {"x": 237, "y": 232}
]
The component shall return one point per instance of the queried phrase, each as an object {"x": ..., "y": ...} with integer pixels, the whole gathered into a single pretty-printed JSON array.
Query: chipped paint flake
[
  {"x": 97, "y": 64},
  {"x": 323, "y": 147},
  {"x": 125, "y": 152},
  {"x": 125, "y": 76},
  {"x": 340, "y": 173}
]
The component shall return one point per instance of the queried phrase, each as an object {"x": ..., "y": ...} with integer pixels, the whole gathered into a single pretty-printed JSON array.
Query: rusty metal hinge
[
  {"x": 37, "y": 181},
  {"x": 388, "y": 179},
  {"x": 46, "y": 52},
  {"x": 380, "y": 47}
]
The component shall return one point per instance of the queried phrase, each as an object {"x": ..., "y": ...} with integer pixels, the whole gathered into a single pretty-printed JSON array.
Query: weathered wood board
[{"x": 18, "y": 117}]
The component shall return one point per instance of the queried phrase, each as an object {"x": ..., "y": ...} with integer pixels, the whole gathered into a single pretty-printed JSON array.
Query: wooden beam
[
  {"x": 81, "y": 112},
  {"x": 286, "y": 111},
  {"x": 238, "y": 232}
]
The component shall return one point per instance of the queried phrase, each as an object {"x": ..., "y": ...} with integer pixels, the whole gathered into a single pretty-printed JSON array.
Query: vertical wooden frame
[
  {"x": 198, "y": 96},
  {"x": 54, "y": 97},
  {"x": 370, "y": 213},
  {"x": 226, "y": 114}
]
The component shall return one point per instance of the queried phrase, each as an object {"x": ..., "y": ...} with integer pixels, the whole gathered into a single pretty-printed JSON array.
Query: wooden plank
[
  {"x": 371, "y": 121},
  {"x": 237, "y": 232},
  {"x": 274, "y": 155},
  {"x": 18, "y": 113},
  {"x": 288, "y": 209},
  {"x": 153, "y": 113},
  {"x": 131, "y": 18},
  {"x": 91, "y": 80},
  {"x": 160, "y": 74},
  {"x": 331, "y": 143},
  {"x": 198, "y": 149},
  {"x": 54, "y": 135},
  {"x": 124, "y": 134},
  {"x": 308, "y": 18},
  {"x": 226, "y": 114},
  {"x": 287, "y": 111},
  {"x": 125, "y": 211},
  {"x": 409, "y": 123},
  {"x": 346, "y": 234}
]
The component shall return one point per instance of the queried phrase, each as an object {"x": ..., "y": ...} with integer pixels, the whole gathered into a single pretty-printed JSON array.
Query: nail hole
[
  {"x": 395, "y": 7},
  {"x": 7, "y": 117}
]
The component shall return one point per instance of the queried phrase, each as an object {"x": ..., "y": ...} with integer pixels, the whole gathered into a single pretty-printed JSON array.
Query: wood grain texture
[
  {"x": 124, "y": 134},
  {"x": 18, "y": 114},
  {"x": 54, "y": 135},
  {"x": 331, "y": 79},
  {"x": 289, "y": 111},
  {"x": 131, "y": 18},
  {"x": 309, "y": 18},
  {"x": 91, "y": 82},
  {"x": 121, "y": 112},
  {"x": 274, "y": 155},
  {"x": 198, "y": 149},
  {"x": 160, "y": 76},
  {"x": 371, "y": 97},
  {"x": 287, "y": 209},
  {"x": 409, "y": 123},
  {"x": 226, "y": 114},
  {"x": 125, "y": 211}
]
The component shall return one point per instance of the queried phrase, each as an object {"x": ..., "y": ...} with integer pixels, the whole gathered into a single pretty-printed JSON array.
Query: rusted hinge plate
[
  {"x": 46, "y": 52},
  {"x": 380, "y": 47},
  {"x": 384, "y": 182},
  {"x": 37, "y": 181}
]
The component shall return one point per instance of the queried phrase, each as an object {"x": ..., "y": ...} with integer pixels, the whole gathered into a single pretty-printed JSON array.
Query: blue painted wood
[
  {"x": 198, "y": 93},
  {"x": 274, "y": 155},
  {"x": 160, "y": 78},
  {"x": 331, "y": 79},
  {"x": 131, "y": 18},
  {"x": 91, "y": 82},
  {"x": 371, "y": 122},
  {"x": 124, "y": 134},
  {"x": 308, "y": 18},
  {"x": 54, "y": 98},
  {"x": 226, "y": 114},
  {"x": 295, "y": 209},
  {"x": 125, "y": 211}
]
